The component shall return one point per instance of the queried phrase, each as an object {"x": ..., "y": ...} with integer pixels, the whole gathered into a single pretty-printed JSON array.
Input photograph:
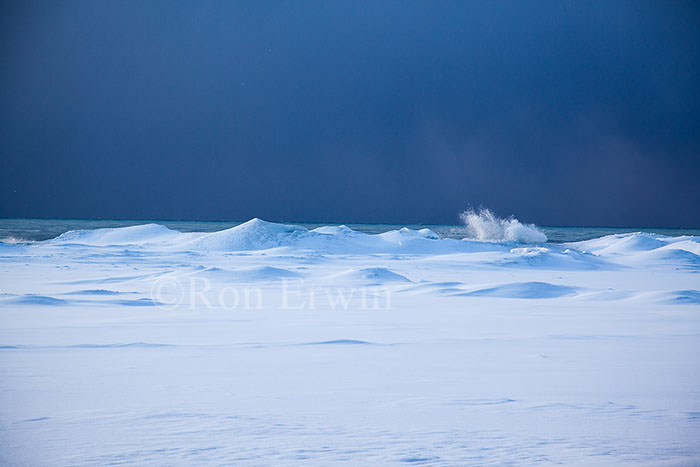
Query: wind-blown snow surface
[{"x": 268, "y": 344}]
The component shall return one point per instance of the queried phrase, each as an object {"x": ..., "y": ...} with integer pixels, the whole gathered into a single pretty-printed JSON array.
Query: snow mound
[
  {"x": 690, "y": 297},
  {"x": 505, "y": 245},
  {"x": 96, "y": 292},
  {"x": 344, "y": 240},
  {"x": 375, "y": 275},
  {"x": 554, "y": 257},
  {"x": 645, "y": 249},
  {"x": 666, "y": 256},
  {"x": 622, "y": 243},
  {"x": 249, "y": 274},
  {"x": 256, "y": 234},
  {"x": 485, "y": 226},
  {"x": 405, "y": 234},
  {"x": 31, "y": 299},
  {"x": 337, "y": 230},
  {"x": 146, "y": 301},
  {"x": 524, "y": 290},
  {"x": 136, "y": 234}
]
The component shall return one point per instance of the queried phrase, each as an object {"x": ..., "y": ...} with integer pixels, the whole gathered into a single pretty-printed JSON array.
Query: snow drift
[
  {"x": 136, "y": 234},
  {"x": 490, "y": 237},
  {"x": 276, "y": 344},
  {"x": 257, "y": 234}
]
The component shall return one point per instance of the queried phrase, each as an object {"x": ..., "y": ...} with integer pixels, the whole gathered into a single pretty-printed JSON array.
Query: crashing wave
[{"x": 485, "y": 226}]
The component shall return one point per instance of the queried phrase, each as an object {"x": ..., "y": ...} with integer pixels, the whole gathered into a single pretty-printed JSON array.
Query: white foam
[{"x": 485, "y": 226}]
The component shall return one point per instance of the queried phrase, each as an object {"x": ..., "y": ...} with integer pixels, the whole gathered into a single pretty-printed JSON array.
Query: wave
[
  {"x": 484, "y": 225},
  {"x": 14, "y": 240}
]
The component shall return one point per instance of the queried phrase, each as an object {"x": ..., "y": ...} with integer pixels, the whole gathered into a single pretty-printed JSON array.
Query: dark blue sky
[{"x": 561, "y": 113}]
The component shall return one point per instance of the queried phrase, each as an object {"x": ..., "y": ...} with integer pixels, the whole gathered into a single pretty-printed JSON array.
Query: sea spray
[{"x": 485, "y": 226}]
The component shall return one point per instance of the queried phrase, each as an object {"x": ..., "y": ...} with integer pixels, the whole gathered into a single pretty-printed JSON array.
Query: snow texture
[{"x": 271, "y": 344}]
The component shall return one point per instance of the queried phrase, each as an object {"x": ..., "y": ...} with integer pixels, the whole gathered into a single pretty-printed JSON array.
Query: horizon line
[{"x": 151, "y": 220}]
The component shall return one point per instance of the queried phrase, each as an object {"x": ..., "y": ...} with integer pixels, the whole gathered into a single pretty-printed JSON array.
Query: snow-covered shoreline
[{"x": 486, "y": 353}]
